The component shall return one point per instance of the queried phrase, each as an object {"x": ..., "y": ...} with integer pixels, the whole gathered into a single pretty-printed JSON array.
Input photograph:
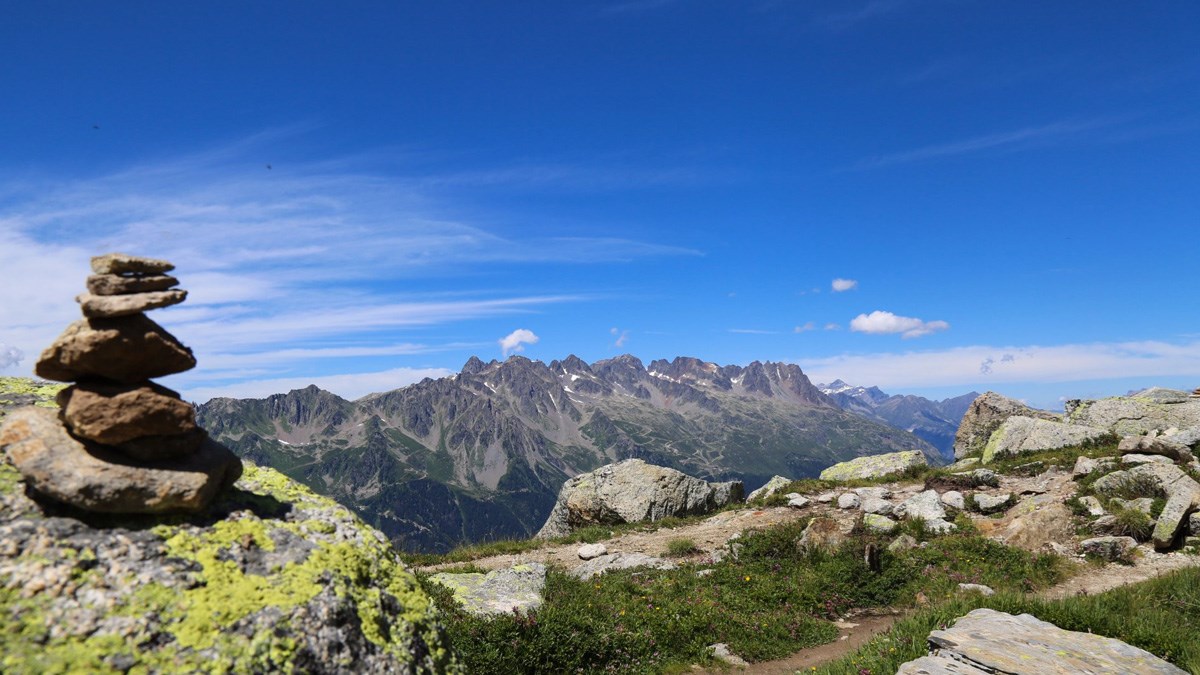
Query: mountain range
[
  {"x": 932, "y": 421},
  {"x": 482, "y": 454}
]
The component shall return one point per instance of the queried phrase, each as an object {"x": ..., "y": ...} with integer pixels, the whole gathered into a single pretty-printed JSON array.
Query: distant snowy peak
[{"x": 839, "y": 389}]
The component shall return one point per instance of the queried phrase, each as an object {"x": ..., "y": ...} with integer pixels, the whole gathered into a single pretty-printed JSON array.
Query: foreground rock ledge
[
  {"x": 270, "y": 579},
  {"x": 987, "y": 641},
  {"x": 94, "y": 478}
]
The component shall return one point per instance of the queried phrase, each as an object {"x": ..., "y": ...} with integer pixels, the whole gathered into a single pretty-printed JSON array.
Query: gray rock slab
[
  {"x": 984, "y": 416},
  {"x": 1143, "y": 504},
  {"x": 1163, "y": 476},
  {"x": 796, "y": 500},
  {"x": 848, "y": 501},
  {"x": 1181, "y": 501},
  {"x": 498, "y": 592},
  {"x": 876, "y": 505},
  {"x": 976, "y": 588},
  {"x": 954, "y": 499},
  {"x": 988, "y": 503},
  {"x": 1020, "y": 434},
  {"x": 875, "y": 466},
  {"x": 620, "y": 561},
  {"x": 112, "y": 306},
  {"x": 1128, "y": 415},
  {"x": 995, "y": 642},
  {"x": 1093, "y": 506},
  {"x": 720, "y": 652},
  {"x": 876, "y": 492},
  {"x": 1145, "y": 459},
  {"x": 1194, "y": 524}
]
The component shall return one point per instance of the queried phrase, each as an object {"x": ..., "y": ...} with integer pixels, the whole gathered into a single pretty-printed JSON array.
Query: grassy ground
[
  {"x": 770, "y": 602},
  {"x": 1159, "y": 616}
]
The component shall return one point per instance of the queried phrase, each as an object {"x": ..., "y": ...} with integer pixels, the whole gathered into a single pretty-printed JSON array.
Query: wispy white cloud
[
  {"x": 516, "y": 341},
  {"x": 842, "y": 285},
  {"x": 350, "y": 386},
  {"x": 621, "y": 335},
  {"x": 301, "y": 257},
  {"x": 887, "y": 323},
  {"x": 805, "y": 328},
  {"x": 833, "y": 326},
  {"x": 1020, "y": 139},
  {"x": 10, "y": 356},
  {"x": 753, "y": 331},
  {"x": 1011, "y": 364},
  {"x": 873, "y": 9}
]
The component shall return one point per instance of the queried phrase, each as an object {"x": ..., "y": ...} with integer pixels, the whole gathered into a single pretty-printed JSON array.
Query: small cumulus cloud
[
  {"x": 515, "y": 341},
  {"x": 10, "y": 356},
  {"x": 621, "y": 335},
  {"x": 887, "y": 323},
  {"x": 986, "y": 367},
  {"x": 841, "y": 285},
  {"x": 805, "y": 328},
  {"x": 832, "y": 326}
]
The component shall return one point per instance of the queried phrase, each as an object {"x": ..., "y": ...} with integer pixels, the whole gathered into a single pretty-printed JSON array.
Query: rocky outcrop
[
  {"x": 1154, "y": 409},
  {"x": 772, "y": 486},
  {"x": 985, "y": 415},
  {"x": 875, "y": 466},
  {"x": 268, "y": 578},
  {"x": 926, "y": 506},
  {"x": 619, "y": 561},
  {"x": 987, "y": 641},
  {"x": 1020, "y": 434},
  {"x": 633, "y": 491},
  {"x": 120, "y": 444},
  {"x": 514, "y": 589},
  {"x": 1153, "y": 444}
]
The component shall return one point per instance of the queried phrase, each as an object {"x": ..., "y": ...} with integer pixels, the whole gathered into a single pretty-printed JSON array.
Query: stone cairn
[{"x": 119, "y": 443}]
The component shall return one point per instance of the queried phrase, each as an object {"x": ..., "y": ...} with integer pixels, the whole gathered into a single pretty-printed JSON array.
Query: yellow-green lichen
[{"x": 44, "y": 392}]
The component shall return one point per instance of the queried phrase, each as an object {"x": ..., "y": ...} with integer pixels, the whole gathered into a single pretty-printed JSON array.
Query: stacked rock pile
[
  {"x": 1195, "y": 393},
  {"x": 120, "y": 443}
]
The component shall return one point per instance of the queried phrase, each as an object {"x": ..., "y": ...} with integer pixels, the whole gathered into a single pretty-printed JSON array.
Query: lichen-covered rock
[
  {"x": 774, "y": 485},
  {"x": 879, "y": 524},
  {"x": 875, "y": 466},
  {"x": 1155, "y": 445},
  {"x": 516, "y": 588},
  {"x": 986, "y": 414},
  {"x": 988, "y": 504},
  {"x": 1020, "y": 434},
  {"x": 1036, "y": 522},
  {"x": 987, "y": 641},
  {"x": 271, "y": 578},
  {"x": 1182, "y": 499},
  {"x": 20, "y": 392},
  {"x": 633, "y": 491},
  {"x": 848, "y": 501},
  {"x": 96, "y": 478},
  {"x": 876, "y": 505},
  {"x": 925, "y": 505},
  {"x": 1154, "y": 478},
  {"x": 1150, "y": 410},
  {"x": 127, "y": 349}
]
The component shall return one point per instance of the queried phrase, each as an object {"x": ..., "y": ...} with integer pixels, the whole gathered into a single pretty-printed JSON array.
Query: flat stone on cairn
[{"x": 120, "y": 443}]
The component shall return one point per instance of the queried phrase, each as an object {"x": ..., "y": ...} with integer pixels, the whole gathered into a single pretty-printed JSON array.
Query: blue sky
[{"x": 928, "y": 195}]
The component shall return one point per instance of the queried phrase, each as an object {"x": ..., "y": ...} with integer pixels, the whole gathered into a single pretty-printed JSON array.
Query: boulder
[
  {"x": 619, "y": 561},
  {"x": 848, "y": 501},
  {"x": 271, "y": 579},
  {"x": 1151, "y": 410},
  {"x": 1156, "y": 477},
  {"x": 514, "y": 589},
  {"x": 129, "y": 349},
  {"x": 1188, "y": 437},
  {"x": 1108, "y": 548},
  {"x": 878, "y": 524},
  {"x": 796, "y": 500},
  {"x": 112, "y": 414},
  {"x": 633, "y": 491},
  {"x": 986, "y": 414},
  {"x": 1134, "y": 459},
  {"x": 875, "y": 466},
  {"x": 1143, "y": 504},
  {"x": 115, "y": 284},
  {"x": 772, "y": 486},
  {"x": 589, "y": 551},
  {"x": 877, "y": 492},
  {"x": 1183, "y": 498},
  {"x": 1093, "y": 506},
  {"x": 1194, "y": 524},
  {"x": 1035, "y": 523},
  {"x": 1152, "y": 444},
  {"x": 925, "y": 506},
  {"x": 720, "y": 652},
  {"x": 1084, "y": 466},
  {"x": 823, "y": 534},
  {"x": 987, "y": 641},
  {"x": 902, "y": 543},
  {"x": 876, "y": 505},
  {"x": 1021, "y": 434},
  {"x": 989, "y": 504},
  {"x": 976, "y": 588},
  {"x": 96, "y": 478},
  {"x": 120, "y": 263},
  {"x": 112, "y": 306},
  {"x": 954, "y": 499}
]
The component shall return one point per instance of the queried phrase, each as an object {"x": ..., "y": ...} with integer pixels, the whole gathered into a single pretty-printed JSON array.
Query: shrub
[
  {"x": 681, "y": 547},
  {"x": 1132, "y": 523}
]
